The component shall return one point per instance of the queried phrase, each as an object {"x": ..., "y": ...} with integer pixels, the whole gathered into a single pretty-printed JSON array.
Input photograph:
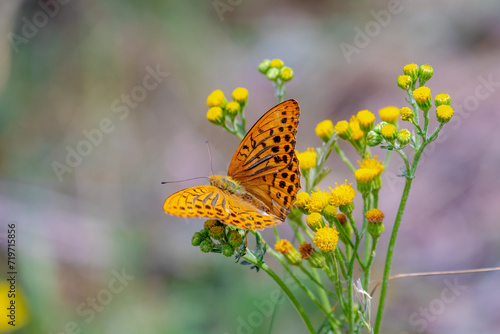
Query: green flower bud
[
  {"x": 227, "y": 250},
  {"x": 197, "y": 239},
  {"x": 235, "y": 239},
  {"x": 273, "y": 73},
  {"x": 264, "y": 66},
  {"x": 403, "y": 137},
  {"x": 206, "y": 246},
  {"x": 373, "y": 138},
  {"x": 286, "y": 73},
  {"x": 425, "y": 73}
]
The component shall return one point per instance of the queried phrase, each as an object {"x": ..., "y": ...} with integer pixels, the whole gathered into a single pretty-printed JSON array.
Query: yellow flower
[
  {"x": 364, "y": 178},
  {"x": 329, "y": 212},
  {"x": 343, "y": 129},
  {"x": 375, "y": 226},
  {"x": 232, "y": 108},
  {"x": 425, "y": 73},
  {"x": 406, "y": 114},
  {"x": 365, "y": 119},
  {"x": 444, "y": 113},
  {"x": 302, "y": 199},
  {"x": 307, "y": 159},
  {"x": 441, "y": 99},
  {"x": 412, "y": 71},
  {"x": 286, "y": 73},
  {"x": 290, "y": 253},
  {"x": 315, "y": 221},
  {"x": 215, "y": 115},
  {"x": 283, "y": 246},
  {"x": 319, "y": 199},
  {"x": 357, "y": 133},
  {"x": 422, "y": 96},
  {"x": 342, "y": 195},
  {"x": 216, "y": 99},
  {"x": 404, "y": 82},
  {"x": 374, "y": 216},
  {"x": 326, "y": 238},
  {"x": 389, "y": 114},
  {"x": 240, "y": 95},
  {"x": 277, "y": 63},
  {"x": 403, "y": 137},
  {"x": 324, "y": 130},
  {"x": 372, "y": 164},
  {"x": 388, "y": 131}
]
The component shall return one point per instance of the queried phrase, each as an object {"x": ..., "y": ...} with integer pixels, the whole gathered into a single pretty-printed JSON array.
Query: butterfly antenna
[
  {"x": 193, "y": 178},
  {"x": 210, "y": 157}
]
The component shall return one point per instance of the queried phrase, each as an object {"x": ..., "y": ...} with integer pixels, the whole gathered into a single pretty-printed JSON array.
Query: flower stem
[{"x": 262, "y": 265}]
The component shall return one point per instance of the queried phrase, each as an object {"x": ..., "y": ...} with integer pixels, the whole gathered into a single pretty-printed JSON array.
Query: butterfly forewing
[
  {"x": 265, "y": 163},
  {"x": 213, "y": 203}
]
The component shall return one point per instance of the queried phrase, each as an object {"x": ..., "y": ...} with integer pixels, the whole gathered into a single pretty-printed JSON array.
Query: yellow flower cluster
[
  {"x": 220, "y": 107},
  {"x": 275, "y": 69}
]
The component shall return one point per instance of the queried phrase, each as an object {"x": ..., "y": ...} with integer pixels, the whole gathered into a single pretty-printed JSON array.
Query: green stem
[
  {"x": 252, "y": 259},
  {"x": 344, "y": 158},
  {"x": 394, "y": 235}
]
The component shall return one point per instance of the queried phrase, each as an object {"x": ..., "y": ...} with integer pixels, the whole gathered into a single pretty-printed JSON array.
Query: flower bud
[
  {"x": 324, "y": 130},
  {"x": 234, "y": 238},
  {"x": 389, "y": 114},
  {"x": 233, "y": 108},
  {"x": 425, "y": 73},
  {"x": 406, "y": 114},
  {"x": 444, "y": 113},
  {"x": 404, "y": 82},
  {"x": 315, "y": 221},
  {"x": 277, "y": 63},
  {"x": 215, "y": 115},
  {"x": 217, "y": 232},
  {"x": 373, "y": 138},
  {"x": 403, "y": 137},
  {"x": 366, "y": 119},
  {"x": 216, "y": 99},
  {"x": 412, "y": 71},
  {"x": 240, "y": 95},
  {"x": 344, "y": 130},
  {"x": 227, "y": 250},
  {"x": 422, "y": 96},
  {"x": 206, "y": 246},
  {"x": 286, "y": 73},
  {"x": 388, "y": 131},
  {"x": 197, "y": 239},
  {"x": 273, "y": 73},
  {"x": 441, "y": 99},
  {"x": 264, "y": 66},
  {"x": 375, "y": 219}
]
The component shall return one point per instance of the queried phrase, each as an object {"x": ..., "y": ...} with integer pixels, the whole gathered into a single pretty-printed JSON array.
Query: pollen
[
  {"x": 307, "y": 159},
  {"x": 389, "y": 114},
  {"x": 319, "y": 199},
  {"x": 326, "y": 238},
  {"x": 283, "y": 246},
  {"x": 216, "y": 98},
  {"x": 342, "y": 195}
]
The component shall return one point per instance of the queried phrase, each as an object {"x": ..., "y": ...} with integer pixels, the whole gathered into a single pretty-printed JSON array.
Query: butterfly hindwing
[{"x": 213, "y": 203}]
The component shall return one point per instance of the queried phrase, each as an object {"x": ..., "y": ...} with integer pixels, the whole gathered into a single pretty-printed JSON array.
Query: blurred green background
[{"x": 95, "y": 251}]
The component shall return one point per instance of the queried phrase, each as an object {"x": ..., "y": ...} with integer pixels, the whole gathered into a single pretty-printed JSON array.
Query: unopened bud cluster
[{"x": 216, "y": 237}]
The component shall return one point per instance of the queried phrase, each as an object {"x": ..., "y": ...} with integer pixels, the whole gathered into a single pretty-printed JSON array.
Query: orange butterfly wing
[
  {"x": 213, "y": 203},
  {"x": 265, "y": 163}
]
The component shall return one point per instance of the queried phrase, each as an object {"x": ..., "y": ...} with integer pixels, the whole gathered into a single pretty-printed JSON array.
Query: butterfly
[{"x": 262, "y": 180}]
